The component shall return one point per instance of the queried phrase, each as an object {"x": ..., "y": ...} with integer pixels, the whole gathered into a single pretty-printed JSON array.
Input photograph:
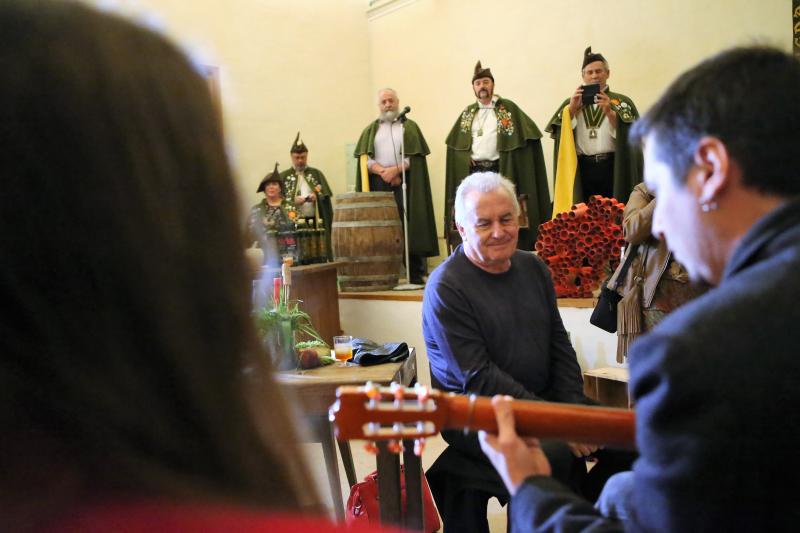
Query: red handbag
[{"x": 363, "y": 507}]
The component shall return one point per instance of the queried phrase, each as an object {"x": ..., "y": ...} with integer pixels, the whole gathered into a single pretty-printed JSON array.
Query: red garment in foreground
[{"x": 164, "y": 517}]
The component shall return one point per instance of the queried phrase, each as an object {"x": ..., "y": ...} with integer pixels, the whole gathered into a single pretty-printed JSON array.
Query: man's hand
[
  {"x": 604, "y": 101},
  {"x": 390, "y": 173},
  {"x": 582, "y": 450},
  {"x": 299, "y": 200},
  {"x": 576, "y": 102},
  {"x": 514, "y": 458}
]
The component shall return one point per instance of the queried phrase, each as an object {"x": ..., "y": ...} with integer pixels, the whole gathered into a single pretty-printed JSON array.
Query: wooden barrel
[{"x": 367, "y": 238}]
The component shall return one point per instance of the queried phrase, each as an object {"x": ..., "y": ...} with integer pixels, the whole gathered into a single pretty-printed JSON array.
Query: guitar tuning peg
[
  {"x": 423, "y": 392},
  {"x": 394, "y": 446},
  {"x": 419, "y": 447},
  {"x": 371, "y": 448},
  {"x": 371, "y": 390},
  {"x": 397, "y": 391}
]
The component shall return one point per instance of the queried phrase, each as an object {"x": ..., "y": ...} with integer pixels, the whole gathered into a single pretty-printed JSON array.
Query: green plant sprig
[{"x": 267, "y": 317}]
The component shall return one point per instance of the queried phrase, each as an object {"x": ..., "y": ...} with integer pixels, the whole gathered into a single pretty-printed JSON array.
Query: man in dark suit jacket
[{"x": 716, "y": 384}]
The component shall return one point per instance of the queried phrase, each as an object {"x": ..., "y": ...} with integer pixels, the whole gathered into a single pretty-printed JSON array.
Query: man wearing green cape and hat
[
  {"x": 495, "y": 135},
  {"x": 380, "y": 168},
  {"x": 596, "y": 157},
  {"x": 308, "y": 194}
]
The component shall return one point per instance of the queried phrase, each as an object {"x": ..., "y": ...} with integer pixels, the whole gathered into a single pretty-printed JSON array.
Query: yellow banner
[
  {"x": 364, "y": 174},
  {"x": 567, "y": 166}
]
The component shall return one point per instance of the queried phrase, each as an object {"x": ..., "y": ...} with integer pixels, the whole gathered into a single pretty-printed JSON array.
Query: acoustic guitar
[{"x": 376, "y": 413}]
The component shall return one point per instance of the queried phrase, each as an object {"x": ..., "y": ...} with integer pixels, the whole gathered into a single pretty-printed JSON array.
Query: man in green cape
[
  {"x": 308, "y": 194},
  {"x": 607, "y": 165},
  {"x": 494, "y": 135},
  {"x": 380, "y": 169}
]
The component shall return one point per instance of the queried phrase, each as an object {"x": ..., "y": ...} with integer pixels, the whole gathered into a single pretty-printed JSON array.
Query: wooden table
[
  {"x": 609, "y": 386},
  {"x": 316, "y": 287},
  {"x": 315, "y": 390}
]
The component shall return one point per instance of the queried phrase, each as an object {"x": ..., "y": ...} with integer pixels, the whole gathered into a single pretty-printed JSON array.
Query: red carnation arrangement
[{"x": 582, "y": 246}]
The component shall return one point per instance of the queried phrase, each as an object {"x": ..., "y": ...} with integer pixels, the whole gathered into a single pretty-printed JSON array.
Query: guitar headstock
[{"x": 375, "y": 413}]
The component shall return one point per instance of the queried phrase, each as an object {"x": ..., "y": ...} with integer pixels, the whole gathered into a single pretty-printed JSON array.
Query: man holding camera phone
[
  {"x": 600, "y": 120},
  {"x": 308, "y": 194}
]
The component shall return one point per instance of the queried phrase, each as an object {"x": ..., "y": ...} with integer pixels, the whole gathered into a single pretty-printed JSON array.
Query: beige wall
[
  {"x": 315, "y": 65},
  {"x": 284, "y": 66},
  {"x": 535, "y": 47}
]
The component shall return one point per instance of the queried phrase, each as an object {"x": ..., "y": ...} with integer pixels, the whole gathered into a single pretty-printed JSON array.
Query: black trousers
[
  {"x": 597, "y": 176},
  {"x": 419, "y": 265},
  {"x": 463, "y": 480}
]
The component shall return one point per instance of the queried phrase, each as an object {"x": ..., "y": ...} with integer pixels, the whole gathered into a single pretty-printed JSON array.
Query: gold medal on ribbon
[{"x": 593, "y": 117}]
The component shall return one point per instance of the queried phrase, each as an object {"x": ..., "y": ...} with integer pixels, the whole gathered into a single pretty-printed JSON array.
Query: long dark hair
[{"x": 128, "y": 318}]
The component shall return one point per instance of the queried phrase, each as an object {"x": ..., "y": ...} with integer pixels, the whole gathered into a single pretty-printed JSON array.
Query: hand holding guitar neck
[
  {"x": 396, "y": 413},
  {"x": 514, "y": 458}
]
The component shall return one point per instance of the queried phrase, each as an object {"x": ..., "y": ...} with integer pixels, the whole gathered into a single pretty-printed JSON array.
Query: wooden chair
[{"x": 389, "y": 492}]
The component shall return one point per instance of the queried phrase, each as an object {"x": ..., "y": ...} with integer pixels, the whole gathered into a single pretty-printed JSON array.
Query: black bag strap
[{"x": 627, "y": 264}]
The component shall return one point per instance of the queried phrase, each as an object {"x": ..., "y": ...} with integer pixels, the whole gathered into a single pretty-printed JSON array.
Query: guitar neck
[
  {"x": 547, "y": 420},
  {"x": 374, "y": 413}
]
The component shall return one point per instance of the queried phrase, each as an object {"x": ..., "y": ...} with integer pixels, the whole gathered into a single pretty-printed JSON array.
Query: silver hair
[
  {"x": 389, "y": 89},
  {"x": 482, "y": 182}
]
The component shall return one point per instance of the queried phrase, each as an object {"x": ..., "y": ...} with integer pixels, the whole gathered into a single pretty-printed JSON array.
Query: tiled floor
[{"x": 365, "y": 463}]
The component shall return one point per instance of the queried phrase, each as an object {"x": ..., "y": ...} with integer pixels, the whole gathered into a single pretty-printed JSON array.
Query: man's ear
[
  {"x": 461, "y": 231},
  {"x": 713, "y": 165}
]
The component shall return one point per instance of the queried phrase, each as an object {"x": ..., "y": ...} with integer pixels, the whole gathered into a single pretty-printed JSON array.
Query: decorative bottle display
[
  {"x": 302, "y": 242},
  {"x": 272, "y": 254},
  {"x": 309, "y": 246},
  {"x": 318, "y": 248},
  {"x": 287, "y": 241},
  {"x": 311, "y": 243},
  {"x": 322, "y": 247}
]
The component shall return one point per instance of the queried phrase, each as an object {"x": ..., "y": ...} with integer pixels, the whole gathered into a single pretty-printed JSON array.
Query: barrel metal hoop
[
  {"x": 367, "y": 204},
  {"x": 370, "y": 259},
  {"x": 364, "y": 194},
  {"x": 367, "y": 224}
]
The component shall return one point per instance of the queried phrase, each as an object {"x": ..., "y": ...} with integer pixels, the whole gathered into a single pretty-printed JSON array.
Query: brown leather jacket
[{"x": 637, "y": 223}]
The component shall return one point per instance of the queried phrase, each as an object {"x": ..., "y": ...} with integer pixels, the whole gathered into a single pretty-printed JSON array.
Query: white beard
[{"x": 388, "y": 116}]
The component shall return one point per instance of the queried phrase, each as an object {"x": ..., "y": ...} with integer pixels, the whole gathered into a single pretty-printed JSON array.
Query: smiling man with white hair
[{"x": 491, "y": 326}]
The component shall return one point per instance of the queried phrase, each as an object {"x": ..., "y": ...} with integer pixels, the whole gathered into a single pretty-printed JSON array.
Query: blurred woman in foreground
[{"x": 122, "y": 403}]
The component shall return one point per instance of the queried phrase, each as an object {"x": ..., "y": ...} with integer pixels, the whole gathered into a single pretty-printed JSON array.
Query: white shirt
[
  {"x": 387, "y": 145},
  {"x": 606, "y": 140},
  {"x": 304, "y": 189},
  {"x": 484, "y": 146}
]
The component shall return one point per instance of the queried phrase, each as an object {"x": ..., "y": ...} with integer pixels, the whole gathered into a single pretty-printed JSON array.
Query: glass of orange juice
[{"x": 343, "y": 348}]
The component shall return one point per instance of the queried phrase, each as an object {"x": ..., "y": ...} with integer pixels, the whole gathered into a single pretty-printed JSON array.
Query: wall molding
[{"x": 379, "y": 8}]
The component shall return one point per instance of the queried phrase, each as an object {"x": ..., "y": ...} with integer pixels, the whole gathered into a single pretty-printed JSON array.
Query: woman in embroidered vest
[{"x": 267, "y": 217}]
